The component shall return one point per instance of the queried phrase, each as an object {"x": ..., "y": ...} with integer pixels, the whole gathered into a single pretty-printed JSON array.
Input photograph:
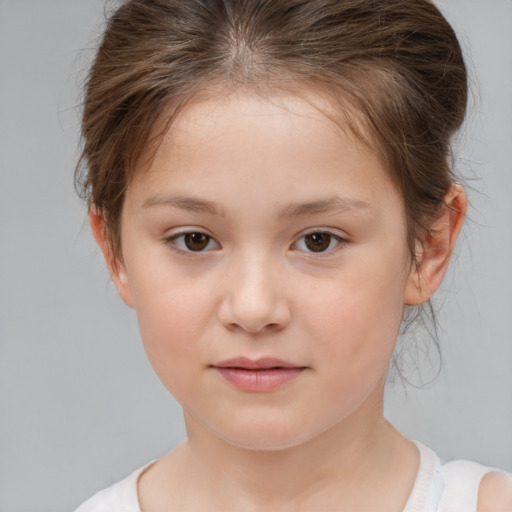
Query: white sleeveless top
[{"x": 450, "y": 487}]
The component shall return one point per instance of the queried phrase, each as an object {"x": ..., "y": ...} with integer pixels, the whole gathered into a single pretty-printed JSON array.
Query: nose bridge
[{"x": 254, "y": 298}]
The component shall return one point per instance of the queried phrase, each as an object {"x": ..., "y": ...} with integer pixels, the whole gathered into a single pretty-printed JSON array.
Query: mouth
[{"x": 260, "y": 375}]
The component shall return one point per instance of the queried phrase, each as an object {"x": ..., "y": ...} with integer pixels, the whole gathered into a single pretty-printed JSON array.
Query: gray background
[{"x": 79, "y": 404}]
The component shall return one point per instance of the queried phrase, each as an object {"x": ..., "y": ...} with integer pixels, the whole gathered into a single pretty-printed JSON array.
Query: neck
[{"x": 336, "y": 468}]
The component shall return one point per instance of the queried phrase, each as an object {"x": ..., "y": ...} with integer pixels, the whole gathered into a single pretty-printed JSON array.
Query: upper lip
[{"x": 264, "y": 363}]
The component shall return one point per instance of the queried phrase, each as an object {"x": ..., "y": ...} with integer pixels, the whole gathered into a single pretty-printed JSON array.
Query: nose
[{"x": 254, "y": 298}]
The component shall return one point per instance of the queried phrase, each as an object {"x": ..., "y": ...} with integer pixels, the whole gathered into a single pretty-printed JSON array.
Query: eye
[
  {"x": 193, "y": 241},
  {"x": 317, "y": 242}
]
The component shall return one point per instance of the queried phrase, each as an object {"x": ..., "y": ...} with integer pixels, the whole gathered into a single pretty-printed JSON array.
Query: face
[{"x": 264, "y": 251}]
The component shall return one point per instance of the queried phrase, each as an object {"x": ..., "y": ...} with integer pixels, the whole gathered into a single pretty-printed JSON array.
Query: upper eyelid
[
  {"x": 188, "y": 230},
  {"x": 328, "y": 231}
]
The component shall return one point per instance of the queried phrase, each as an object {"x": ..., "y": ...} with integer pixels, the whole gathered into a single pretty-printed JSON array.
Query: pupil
[
  {"x": 196, "y": 241},
  {"x": 318, "y": 242}
]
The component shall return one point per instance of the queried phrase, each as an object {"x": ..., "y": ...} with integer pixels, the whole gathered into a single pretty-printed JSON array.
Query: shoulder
[
  {"x": 107, "y": 499},
  {"x": 467, "y": 485},
  {"x": 495, "y": 493},
  {"x": 120, "y": 497}
]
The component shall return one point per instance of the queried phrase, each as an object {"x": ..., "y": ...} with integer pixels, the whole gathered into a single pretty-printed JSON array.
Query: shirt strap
[{"x": 421, "y": 495}]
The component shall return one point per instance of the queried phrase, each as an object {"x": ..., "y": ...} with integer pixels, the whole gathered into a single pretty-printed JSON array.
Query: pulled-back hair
[{"x": 394, "y": 67}]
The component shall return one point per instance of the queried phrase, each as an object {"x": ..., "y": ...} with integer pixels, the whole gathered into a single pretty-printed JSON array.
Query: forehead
[{"x": 290, "y": 142}]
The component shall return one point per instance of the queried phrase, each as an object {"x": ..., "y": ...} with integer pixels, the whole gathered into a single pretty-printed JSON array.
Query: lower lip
[{"x": 259, "y": 381}]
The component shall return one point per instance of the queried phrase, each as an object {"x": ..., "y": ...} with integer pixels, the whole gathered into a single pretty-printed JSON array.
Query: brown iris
[
  {"x": 196, "y": 241},
  {"x": 317, "y": 242}
]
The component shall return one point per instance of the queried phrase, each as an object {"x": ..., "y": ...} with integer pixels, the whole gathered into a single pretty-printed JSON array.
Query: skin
[{"x": 258, "y": 177}]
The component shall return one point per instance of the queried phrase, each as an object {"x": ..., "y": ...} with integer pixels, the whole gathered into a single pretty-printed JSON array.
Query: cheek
[
  {"x": 358, "y": 320},
  {"x": 172, "y": 321}
]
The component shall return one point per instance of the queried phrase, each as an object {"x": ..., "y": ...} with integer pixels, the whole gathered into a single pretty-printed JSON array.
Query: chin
[
  {"x": 268, "y": 437},
  {"x": 266, "y": 443}
]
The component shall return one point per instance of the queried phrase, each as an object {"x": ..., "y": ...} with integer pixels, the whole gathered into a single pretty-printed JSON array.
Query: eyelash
[{"x": 172, "y": 242}]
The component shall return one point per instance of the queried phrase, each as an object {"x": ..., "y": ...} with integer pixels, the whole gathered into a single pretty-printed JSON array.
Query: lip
[{"x": 258, "y": 375}]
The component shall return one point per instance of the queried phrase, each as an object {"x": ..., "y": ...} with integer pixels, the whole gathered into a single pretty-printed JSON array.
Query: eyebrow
[
  {"x": 335, "y": 204},
  {"x": 190, "y": 204}
]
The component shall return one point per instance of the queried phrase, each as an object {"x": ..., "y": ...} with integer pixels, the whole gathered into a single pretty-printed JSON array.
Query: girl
[{"x": 269, "y": 183}]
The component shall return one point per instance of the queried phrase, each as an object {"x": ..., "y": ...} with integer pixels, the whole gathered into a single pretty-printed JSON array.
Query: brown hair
[{"x": 395, "y": 65}]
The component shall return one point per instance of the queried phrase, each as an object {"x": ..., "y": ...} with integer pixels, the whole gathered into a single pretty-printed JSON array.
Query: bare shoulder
[{"x": 495, "y": 494}]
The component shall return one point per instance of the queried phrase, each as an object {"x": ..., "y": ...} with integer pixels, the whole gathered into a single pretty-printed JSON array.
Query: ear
[
  {"x": 115, "y": 266},
  {"x": 434, "y": 252}
]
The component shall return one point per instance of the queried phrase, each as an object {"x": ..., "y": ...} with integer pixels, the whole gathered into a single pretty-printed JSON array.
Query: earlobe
[
  {"x": 115, "y": 266},
  {"x": 434, "y": 252}
]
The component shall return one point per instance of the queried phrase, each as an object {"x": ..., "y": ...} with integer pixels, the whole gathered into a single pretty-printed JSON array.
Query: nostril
[{"x": 255, "y": 329}]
